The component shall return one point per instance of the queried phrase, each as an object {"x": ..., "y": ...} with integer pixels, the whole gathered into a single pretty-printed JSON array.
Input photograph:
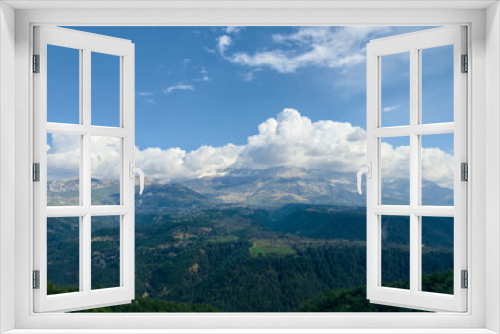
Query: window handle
[
  {"x": 368, "y": 171},
  {"x": 134, "y": 170}
]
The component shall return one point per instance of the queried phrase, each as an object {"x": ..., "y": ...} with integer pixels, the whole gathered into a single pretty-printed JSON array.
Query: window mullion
[
  {"x": 85, "y": 253},
  {"x": 417, "y": 116},
  {"x": 414, "y": 171},
  {"x": 86, "y": 169}
]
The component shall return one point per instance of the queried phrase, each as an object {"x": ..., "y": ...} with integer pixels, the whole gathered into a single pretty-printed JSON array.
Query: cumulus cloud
[
  {"x": 437, "y": 166},
  {"x": 63, "y": 157},
  {"x": 175, "y": 163},
  {"x": 170, "y": 89},
  {"x": 290, "y": 139},
  {"x": 105, "y": 157},
  {"x": 223, "y": 42},
  {"x": 333, "y": 47}
]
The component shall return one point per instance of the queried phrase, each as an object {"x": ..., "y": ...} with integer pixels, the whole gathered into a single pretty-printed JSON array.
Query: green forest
[
  {"x": 341, "y": 300},
  {"x": 297, "y": 258}
]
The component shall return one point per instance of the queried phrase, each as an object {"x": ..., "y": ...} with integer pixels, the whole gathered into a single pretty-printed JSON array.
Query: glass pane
[
  {"x": 437, "y": 169},
  {"x": 437, "y": 84},
  {"x": 395, "y": 170},
  {"x": 437, "y": 254},
  {"x": 396, "y": 251},
  {"x": 105, "y": 252},
  {"x": 63, "y": 85},
  {"x": 105, "y": 90},
  {"x": 395, "y": 89},
  {"x": 63, "y": 169},
  {"x": 106, "y": 167},
  {"x": 63, "y": 255}
]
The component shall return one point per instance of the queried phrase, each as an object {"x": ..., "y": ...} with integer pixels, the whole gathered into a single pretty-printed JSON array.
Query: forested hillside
[
  {"x": 244, "y": 259},
  {"x": 341, "y": 300}
]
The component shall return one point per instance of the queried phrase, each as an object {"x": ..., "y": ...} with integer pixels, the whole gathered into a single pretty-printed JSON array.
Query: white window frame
[
  {"x": 413, "y": 44},
  {"x": 86, "y": 44},
  {"x": 483, "y": 254}
]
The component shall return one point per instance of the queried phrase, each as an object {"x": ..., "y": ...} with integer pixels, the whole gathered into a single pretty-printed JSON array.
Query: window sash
[
  {"x": 86, "y": 297},
  {"x": 413, "y": 43}
]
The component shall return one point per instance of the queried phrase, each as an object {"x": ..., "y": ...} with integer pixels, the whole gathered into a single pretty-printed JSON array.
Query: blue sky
[{"x": 214, "y": 86}]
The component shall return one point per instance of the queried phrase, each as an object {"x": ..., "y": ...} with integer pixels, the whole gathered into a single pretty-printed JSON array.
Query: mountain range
[
  {"x": 267, "y": 188},
  {"x": 246, "y": 240}
]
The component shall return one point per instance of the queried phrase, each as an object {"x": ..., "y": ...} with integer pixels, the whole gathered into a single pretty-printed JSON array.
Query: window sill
[{"x": 252, "y": 331}]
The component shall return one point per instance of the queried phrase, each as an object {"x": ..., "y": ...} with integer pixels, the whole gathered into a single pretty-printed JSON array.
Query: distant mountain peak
[{"x": 269, "y": 187}]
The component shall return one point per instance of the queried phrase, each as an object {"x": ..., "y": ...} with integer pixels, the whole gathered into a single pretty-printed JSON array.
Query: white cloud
[
  {"x": 147, "y": 97},
  {"x": 170, "y": 89},
  {"x": 175, "y": 163},
  {"x": 391, "y": 108},
  {"x": 223, "y": 42},
  {"x": 63, "y": 157},
  {"x": 290, "y": 139},
  {"x": 204, "y": 78},
  {"x": 332, "y": 47},
  {"x": 105, "y": 157},
  {"x": 234, "y": 29},
  {"x": 204, "y": 75},
  {"x": 249, "y": 76},
  {"x": 437, "y": 166},
  {"x": 209, "y": 50}
]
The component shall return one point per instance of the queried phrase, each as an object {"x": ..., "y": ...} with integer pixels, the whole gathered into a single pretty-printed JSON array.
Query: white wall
[
  {"x": 7, "y": 161},
  {"x": 492, "y": 165}
]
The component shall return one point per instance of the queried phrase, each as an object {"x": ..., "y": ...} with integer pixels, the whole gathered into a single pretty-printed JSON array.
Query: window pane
[
  {"x": 105, "y": 90},
  {"x": 395, "y": 170},
  {"x": 437, "y": 254},
  {"x": 63, "y": 255},
  {"x": 395, "y": 89},
  {"x": 437, "y": 84},
  {"x": 63, "y": 169},
  {"x": 63, "y": 85},
  {"x": 437, "y": 169},
  {"x": 106, "y": 167},
  {"x": 105, "y": 252},
  {"x": 395, "y": 251}
]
